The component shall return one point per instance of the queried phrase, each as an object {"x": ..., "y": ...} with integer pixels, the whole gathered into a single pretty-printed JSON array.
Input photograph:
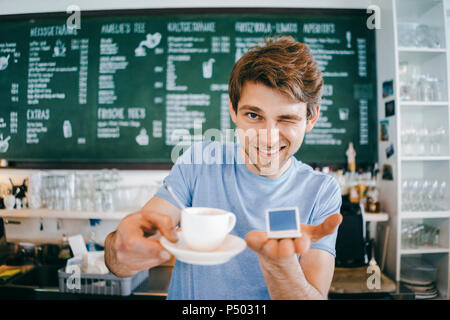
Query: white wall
[{"x": 35, "y": 6}]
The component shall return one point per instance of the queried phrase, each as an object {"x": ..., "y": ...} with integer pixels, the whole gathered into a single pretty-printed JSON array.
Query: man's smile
[{"x": 269, "y": 153}]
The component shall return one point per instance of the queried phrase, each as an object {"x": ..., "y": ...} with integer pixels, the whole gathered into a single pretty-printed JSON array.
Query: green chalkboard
[{"x": 128, "y": 85}]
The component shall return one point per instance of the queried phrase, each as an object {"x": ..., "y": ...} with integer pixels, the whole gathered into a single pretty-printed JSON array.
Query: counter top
[
  {"x": 155, "y": 286},
  {"x": 376, "y": 217},
  {"x": 116, "y": 215},
  {"x": 62, "y": 214}
]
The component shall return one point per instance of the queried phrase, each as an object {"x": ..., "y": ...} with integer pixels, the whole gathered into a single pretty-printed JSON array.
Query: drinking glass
[
  {"x": 407, "y": 34},
  {"x": 406, "y": 80},
  {"x": 433, "y": 195},
  {"x": 435, "y": 39},
  {"x": 414, "y": 186},
  {"x": 423, "y": 36},
  {"x": 441, "y": 135},
  {"x": 422, "y": 141},
  {"x": 442, "y": 195},
  {"x": 410, "y": 140},
  {"x": 406, "y": 191},
  {"x": 426, "y": 196}
]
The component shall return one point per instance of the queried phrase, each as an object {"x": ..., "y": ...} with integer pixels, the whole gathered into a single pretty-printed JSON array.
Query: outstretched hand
[{"x": 285, "y": 248}]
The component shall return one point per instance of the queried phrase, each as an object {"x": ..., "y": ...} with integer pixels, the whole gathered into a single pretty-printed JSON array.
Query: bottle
[
  {"x": 373, "y": 203},
  {"x": 342, "y": 183},
  {"x": 353, "y": 192},
  {"x": 90, "y": 245}
]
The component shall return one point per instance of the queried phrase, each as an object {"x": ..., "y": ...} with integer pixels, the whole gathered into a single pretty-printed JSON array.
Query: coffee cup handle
[{"x": 232, "y": 222}]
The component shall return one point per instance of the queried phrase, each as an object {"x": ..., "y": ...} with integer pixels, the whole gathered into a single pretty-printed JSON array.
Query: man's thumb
[{"x": 332, "y": 222}]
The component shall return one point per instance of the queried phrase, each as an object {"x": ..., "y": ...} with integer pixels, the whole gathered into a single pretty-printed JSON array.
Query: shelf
[
  {"x": 424, "y": 215},
  {"x": 424, "y": 103},
  {"x": 425, "y": 158},
  {"x": 376, "y": 217},
  {"x": 423, "y": 251},
  {"x": 60, "y": 214},
  {"x": 415, "y": 49},
  {"x": 420, "y": 44}
]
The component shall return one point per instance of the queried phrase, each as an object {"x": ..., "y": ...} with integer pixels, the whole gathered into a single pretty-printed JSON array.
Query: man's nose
[{"x": 269, "y": 135}]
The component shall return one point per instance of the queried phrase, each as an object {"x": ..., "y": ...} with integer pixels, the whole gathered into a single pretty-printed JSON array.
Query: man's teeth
[{"x": 268, "y": 152}]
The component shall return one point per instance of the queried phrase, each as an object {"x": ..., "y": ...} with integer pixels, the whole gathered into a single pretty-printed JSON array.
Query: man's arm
[
  {"x": 285, "y": 277},
  {"x": 308, "y": 280},
  {"x": 134, "y": 246}
]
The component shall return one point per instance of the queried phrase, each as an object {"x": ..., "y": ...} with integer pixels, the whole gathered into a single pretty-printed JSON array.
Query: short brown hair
[{"x": 282, "y": 64}]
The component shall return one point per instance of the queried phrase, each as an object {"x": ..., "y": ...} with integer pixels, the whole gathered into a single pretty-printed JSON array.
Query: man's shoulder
[
  {"x": 307, "y": 170},
  {"x": 314, "y": 177}
]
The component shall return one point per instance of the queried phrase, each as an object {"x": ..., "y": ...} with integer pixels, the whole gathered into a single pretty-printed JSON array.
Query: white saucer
[{"x": 232, "y": 246}]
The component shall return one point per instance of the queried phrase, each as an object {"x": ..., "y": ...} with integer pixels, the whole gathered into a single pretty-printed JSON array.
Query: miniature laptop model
[{"x": 283, "y": 223}]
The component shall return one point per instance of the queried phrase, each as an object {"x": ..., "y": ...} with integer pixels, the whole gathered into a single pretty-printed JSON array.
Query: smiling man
[
  {"x": 270, "y": 135},
  {"x": 274, "y": 101}
]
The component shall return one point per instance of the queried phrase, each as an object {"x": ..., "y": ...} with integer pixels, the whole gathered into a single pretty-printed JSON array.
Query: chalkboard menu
[{"x": 127, "y": 86}]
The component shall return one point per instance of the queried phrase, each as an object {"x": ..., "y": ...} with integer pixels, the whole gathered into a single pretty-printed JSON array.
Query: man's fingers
[
  {"x": 271, "y": 248},
  {"x": 163, "y": 223},
  {"x": 139, "y": 252},
  {"x": 148, "y": 248},
  {"x": 256, "y": 240},
  {"x": 302, "y": 244},
  {"x": 325, "y": 228},
  {"x": 274, "y": 248},
  {"x": 328, "y": 226},
  {"x": 157, "y": 249},
  {"x": 286, "y": 248}
]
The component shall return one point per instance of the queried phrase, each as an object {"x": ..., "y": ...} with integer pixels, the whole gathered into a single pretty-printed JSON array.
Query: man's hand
[
  {"x": 135, "y": 245},
  {"x": 279, "y": 249}
]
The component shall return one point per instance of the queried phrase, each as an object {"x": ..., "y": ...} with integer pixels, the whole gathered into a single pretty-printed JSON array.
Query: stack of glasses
[
  {"x": 424, "y": 195},
  {"x": 419, "y": 235},
  {"x": 99, "y": 192},
  {"x": 418, "y": 86},
  {"x": 423, "y": 141},
  {"x": 419, "y": 35},
  {"x": 80, "y": 192}
]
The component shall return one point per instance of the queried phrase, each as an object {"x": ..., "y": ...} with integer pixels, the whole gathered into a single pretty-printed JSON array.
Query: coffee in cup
[{"x": 205, "y": 229}]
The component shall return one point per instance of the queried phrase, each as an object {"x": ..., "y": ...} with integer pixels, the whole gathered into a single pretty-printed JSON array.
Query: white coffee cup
[{"x": 205, "y": 229}]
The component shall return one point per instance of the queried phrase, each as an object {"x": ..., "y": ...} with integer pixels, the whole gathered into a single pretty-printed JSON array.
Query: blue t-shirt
[{"x": 213, "y": 174}]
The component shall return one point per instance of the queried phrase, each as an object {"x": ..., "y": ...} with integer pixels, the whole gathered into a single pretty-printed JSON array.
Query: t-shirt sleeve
[
  {"x": 181, "y": 178},
  {"x": 329, "y": 202}
]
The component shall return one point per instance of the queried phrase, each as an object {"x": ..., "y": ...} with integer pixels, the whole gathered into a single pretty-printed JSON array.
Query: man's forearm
[{"x": 286, "y": 280}]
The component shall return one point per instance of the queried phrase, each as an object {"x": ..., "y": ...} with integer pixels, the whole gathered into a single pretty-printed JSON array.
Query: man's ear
[
  {"x": 232, "y": 112},
  {"x": 312, "y": 121}
]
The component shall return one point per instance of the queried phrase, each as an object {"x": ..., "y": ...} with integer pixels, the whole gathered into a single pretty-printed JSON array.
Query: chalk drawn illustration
[
  {"x": 4, "y": 62},
  {"x": 67, "y": 129},
  {"x": 150, "y": 42},
  {"x": 348, "y": 36},
  {"x": 59, "y": 50},
  {"x": 4, "y": 143},
  {"x": 208, "y": 68},
  {"x": 142, "y": 139}
]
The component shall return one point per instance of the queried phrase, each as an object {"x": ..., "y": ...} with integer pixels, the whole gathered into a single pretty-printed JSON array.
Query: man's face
[{"x": 271, "y": 128}]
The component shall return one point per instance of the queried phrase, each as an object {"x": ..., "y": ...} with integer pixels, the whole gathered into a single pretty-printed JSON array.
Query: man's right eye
[{"x": 252, "y": 115}]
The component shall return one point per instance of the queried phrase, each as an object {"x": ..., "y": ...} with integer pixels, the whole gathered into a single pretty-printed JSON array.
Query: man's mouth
[{"x": 269, "y": 153}]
